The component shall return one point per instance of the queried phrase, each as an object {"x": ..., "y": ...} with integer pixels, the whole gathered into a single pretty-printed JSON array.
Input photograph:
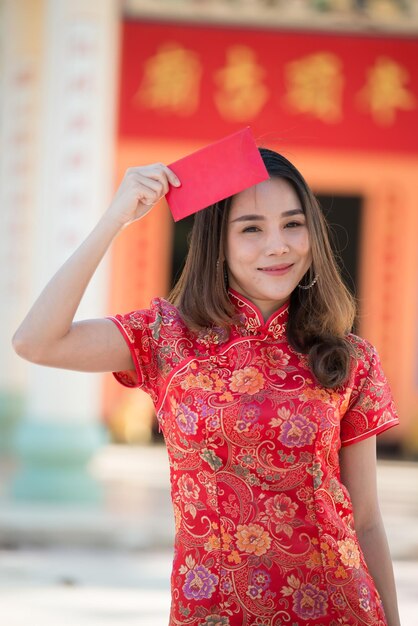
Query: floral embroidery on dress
[{"x": 264, "y": 526}]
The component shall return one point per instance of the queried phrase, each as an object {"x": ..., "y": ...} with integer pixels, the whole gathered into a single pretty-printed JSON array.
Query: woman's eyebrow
[
  {"x": 248, "y": 218},
  {"x": 293, "y": 212},
  {"x": 256, "y": 217}
]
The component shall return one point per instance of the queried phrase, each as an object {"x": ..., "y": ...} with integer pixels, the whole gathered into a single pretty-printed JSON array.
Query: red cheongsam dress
[{"x": 264, "y": 526}]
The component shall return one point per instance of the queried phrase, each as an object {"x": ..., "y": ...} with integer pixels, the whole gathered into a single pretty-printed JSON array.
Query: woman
[{"x": 269, "y": 406}]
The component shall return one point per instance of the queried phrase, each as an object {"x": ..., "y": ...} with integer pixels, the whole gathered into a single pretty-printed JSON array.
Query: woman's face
[{"x": 267, "y": 249}]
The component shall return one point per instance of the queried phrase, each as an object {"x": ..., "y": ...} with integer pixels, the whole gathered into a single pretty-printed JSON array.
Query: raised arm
[{"x": 48, "y": 335}]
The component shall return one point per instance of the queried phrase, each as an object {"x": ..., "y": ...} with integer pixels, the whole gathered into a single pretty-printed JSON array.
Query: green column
[
  {"x": 11, "y": 409},
  {"x": 53, "y": 461}
]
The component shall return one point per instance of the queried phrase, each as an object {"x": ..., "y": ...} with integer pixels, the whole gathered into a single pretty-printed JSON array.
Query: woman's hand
[{"x": 141, "y": 188}]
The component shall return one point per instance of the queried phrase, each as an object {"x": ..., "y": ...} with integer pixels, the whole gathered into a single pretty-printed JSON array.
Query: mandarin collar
[{"x": 252, "y": 319}]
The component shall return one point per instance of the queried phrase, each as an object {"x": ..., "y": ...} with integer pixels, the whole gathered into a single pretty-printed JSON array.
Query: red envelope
[{"x": 215, "y": 172}]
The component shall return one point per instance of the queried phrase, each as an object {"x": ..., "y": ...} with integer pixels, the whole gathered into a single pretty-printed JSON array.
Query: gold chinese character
[
  {"x": 241, "y": 94},
  {"x": 385, "y": 91},
  {"x": 171, "y": 80},
  {"x": 314, "y": 86}
]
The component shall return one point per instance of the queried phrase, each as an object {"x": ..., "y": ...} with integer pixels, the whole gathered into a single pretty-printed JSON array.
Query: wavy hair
[{"x": 319, "y": 318}]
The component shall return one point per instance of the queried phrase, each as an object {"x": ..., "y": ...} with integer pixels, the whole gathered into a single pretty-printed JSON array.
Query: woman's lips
[{"x": 276, "y": 270}]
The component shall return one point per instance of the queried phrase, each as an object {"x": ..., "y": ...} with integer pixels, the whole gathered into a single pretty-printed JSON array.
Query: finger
[
  {"x": 146, "y": 195},
  {"x": 159, "y": 171},
  {"x": 159, "y": 186},
  {"x": 172, "y": 177},
  {"x": 149, "y": 199}
]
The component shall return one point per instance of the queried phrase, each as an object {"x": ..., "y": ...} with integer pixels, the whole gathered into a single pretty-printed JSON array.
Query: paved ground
[
  {"x": 110, "y": 566},
  {"x": 84, "y": 588},
  {"x": 113, "y": 588}
]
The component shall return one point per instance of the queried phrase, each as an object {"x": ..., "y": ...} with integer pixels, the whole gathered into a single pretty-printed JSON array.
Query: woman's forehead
[{"x": 275, "y": 195}]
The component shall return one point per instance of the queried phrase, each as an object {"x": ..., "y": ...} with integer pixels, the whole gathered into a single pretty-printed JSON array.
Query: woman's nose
[{"x": 276, "y": 243}]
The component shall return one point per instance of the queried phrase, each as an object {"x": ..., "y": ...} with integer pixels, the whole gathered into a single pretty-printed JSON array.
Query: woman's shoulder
[
  {"x": 166, "y": 315},
  {"x": 163, "y": 306},
  {"x": 363, "y": 351},
  {"x": 160, "y": 315}
]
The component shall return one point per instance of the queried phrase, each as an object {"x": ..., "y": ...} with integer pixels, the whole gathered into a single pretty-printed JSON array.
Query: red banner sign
[{"x": 314, "y": 90}]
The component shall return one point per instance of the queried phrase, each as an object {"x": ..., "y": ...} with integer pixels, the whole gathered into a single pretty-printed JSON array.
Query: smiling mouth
[{"x": 276, "y": 268}]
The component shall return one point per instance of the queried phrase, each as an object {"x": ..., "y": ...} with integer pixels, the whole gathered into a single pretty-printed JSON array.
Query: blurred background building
[{"x": 91, "y": 88}]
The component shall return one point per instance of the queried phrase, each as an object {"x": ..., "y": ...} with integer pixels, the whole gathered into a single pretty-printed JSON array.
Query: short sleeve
[
  {"x": 140, "y": 330},
  {"x": 371, "y": 409}
]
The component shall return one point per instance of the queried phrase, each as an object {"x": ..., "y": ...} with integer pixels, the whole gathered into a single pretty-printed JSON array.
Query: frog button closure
[{"x": 252, "y": 321}]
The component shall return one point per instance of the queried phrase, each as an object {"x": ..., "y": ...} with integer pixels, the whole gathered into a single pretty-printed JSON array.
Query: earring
[
  {"x": 226, "y": 278},
  {"x": 309, "y": 285}
]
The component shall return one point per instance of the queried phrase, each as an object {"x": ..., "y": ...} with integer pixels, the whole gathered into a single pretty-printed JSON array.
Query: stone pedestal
[{"x": 55, "y": 461}]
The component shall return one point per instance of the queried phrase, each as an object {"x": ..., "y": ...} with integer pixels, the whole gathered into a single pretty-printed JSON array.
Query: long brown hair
[{"x": 319, "y": 318}]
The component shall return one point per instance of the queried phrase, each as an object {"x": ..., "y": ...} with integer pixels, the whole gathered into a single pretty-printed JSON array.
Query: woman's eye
[
  {"x": 293, "y": 224},
  {"x": 251, "y": 229}
]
